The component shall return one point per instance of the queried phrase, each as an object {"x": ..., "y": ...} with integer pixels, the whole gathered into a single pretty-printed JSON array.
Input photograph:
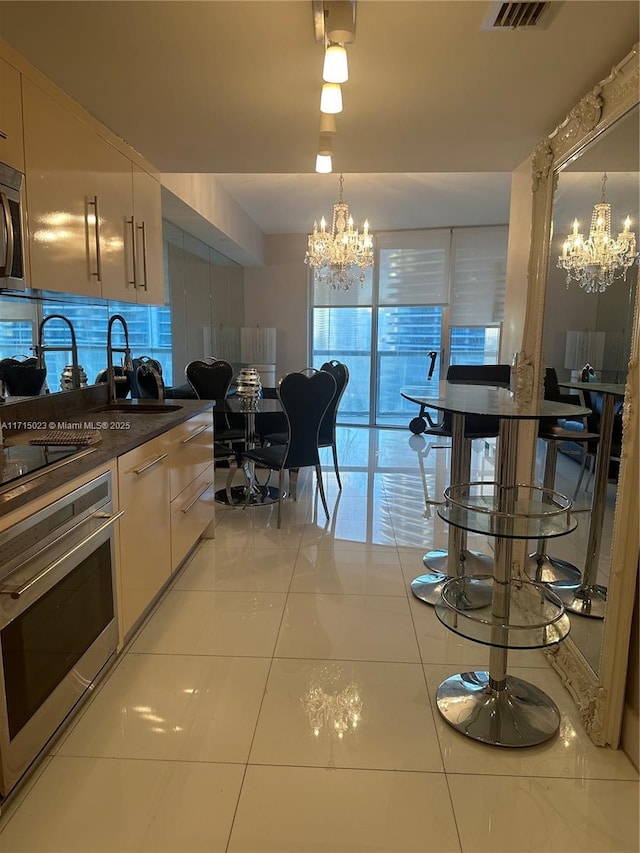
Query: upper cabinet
[
  {"x": 147, "y": 212},
  {"x": 11, "y": 145},
  {"x": 94, "y": 218}
]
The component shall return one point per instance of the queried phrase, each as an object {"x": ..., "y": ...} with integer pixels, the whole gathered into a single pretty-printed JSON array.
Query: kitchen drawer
[
  {"x": 191, "y": 512},
  {"x": 190, "y": 448},
  {"x": 145, "y": 535}
]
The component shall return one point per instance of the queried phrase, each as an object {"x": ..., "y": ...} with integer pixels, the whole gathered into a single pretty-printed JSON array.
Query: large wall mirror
[{"x": 596, "y": 147}]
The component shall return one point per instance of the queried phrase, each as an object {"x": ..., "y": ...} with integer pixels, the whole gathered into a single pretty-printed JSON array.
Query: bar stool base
[
  {"x": 475, "y": 563},
  {"x": 590, "y": 601},
  {"x": 428, "y": 587},
  {"x": 545, "y": 569},
  {"x": 519, "y": 715}
]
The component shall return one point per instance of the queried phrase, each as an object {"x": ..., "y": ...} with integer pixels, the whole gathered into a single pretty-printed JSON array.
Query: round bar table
[
  {"x": 590, "y": 598},
  {"x": 428, "y": 586},
  {"x": 491, "y": 706}
]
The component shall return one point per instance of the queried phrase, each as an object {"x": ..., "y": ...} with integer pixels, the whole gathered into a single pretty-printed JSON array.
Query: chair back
[
  {"x": 211, "y": 380},
  {"x": 304, "y": 400},
  {"x": 149, "y": 382},
  {"x": 340, "y": 373},
  {"x": 478, "y": 374}
]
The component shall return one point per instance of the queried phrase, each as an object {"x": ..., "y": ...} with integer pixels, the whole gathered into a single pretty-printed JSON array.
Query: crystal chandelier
[
  {"x": 596, "y": 263},
  {"x": 340, "y": 256}
]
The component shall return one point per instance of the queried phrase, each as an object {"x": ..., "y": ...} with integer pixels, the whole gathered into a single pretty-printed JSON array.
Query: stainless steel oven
[
  {"x": 12, "y": 276},
  {"x": 58, "y": 619}
]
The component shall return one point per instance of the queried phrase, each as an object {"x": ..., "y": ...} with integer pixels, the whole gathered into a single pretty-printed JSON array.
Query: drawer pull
[
  {"x": 195, "y": 434},
  {"x": 150, "y": 464},
  {"x": 197, "y": 498}
]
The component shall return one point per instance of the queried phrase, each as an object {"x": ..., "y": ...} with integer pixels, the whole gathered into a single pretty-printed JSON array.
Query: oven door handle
[{"x": 17, "y": 592}]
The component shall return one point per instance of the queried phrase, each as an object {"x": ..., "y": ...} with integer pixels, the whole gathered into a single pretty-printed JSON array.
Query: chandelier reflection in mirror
[
  {"x": 329, "y": 703},
  {"x": 597, "y": 262},
  {"x": 339, "y": 257}
]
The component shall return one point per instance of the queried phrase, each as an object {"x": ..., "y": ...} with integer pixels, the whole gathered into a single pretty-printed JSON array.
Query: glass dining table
[{"x": 252, "y": 493}]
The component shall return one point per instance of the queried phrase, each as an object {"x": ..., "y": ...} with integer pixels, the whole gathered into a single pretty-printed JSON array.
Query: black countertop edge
[{"x": 120, "y": 432}]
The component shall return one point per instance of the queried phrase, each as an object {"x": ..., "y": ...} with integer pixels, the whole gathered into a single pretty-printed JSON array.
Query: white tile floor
[{"x": 219, "y": 728}]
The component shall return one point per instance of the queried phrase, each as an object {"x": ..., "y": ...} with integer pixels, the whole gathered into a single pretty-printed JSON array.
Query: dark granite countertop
[{"x": 119, "y": 433}]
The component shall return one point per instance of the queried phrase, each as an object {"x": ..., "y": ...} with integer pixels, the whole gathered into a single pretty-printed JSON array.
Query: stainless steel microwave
[{"x": 12, "y": 275}]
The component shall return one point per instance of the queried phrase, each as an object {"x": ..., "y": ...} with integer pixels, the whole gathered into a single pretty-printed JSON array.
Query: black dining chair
[
  {"x": 224, "y": 453},
  {"x": 327, "y": 433},
  {"x": 304, "y": 399},
  {"x": 211, "y": 380}
]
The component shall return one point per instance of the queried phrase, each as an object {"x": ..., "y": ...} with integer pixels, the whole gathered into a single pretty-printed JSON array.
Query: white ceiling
[{"x": 437, "y": 111}]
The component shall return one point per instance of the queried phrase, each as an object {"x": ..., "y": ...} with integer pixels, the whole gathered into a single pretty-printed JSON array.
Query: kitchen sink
[{"x": 137, "y": 408}]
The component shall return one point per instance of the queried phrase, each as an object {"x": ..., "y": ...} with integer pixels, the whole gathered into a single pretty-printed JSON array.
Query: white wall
[{"x": 277, "y": 295}]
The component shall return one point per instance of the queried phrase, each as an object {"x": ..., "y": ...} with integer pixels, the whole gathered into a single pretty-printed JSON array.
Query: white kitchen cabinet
[
  {"x": 191, "y": 512},
  {"x": 147, "y": 213},
  {"x": 145, "y": 527},
  {"x": 166, "y": 489},
  {"x": 11, "y": 138},
  {"x": 190, "y": 448},
  {"x": 79, "y": 189},
  {"x": 94, "y": 217}
]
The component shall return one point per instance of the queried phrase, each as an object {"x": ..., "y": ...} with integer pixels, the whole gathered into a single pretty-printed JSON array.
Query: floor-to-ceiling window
[{"x": 439, "y": 290}]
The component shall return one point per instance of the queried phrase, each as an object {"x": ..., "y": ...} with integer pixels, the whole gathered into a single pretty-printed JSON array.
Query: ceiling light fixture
[
  {"x": 331, "y": 98},
  {"x": 336, "y": 67},
  {"x": 597, "y": 262},
  {"x": 324, "y": 163},
  {"x": 339, "y": 257}
]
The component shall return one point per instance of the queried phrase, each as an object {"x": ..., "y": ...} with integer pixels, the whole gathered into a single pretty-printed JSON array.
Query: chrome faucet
[
  {"x": 40, "y": 348},
  {"x": 127, "y": 364}
]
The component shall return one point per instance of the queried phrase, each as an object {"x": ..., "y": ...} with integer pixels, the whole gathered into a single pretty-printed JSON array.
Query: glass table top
[{"x": 487, "y": 400}]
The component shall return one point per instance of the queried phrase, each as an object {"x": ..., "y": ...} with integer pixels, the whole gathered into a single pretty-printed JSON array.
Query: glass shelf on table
[
  {"x": 537, "y": 617},
  {"x": 533, "y": 512}
]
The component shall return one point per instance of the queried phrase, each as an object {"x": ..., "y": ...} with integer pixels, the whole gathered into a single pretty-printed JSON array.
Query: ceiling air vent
[{"x": 516, "y": 16}]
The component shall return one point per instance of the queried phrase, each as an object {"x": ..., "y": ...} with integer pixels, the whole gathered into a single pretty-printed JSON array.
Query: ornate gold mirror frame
[{"x": 600, "y": 698}]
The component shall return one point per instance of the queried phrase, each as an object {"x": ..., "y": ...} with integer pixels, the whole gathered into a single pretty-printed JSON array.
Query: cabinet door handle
[
  {"x": 3, "y": 135},
  {"x": 6, "y": 270},
  {"x": 143, "y": 228},
  {"x": 194, "y": 434},
  {"x": 134, "y": 262},
  {"x": 150, "y": 464},
  {"x": 98, "y": 272},
  {"x": 197, "y": 498}
]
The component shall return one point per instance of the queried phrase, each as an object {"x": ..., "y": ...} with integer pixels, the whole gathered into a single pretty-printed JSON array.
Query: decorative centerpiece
[
  {"x": 66, "y": 378},
  {"x": 248, "y": 387}
]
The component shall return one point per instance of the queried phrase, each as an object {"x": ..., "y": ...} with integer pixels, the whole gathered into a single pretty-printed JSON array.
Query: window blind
[
  {"x": 478, "y": 275},
  {"x": 413, "y": 268}
]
